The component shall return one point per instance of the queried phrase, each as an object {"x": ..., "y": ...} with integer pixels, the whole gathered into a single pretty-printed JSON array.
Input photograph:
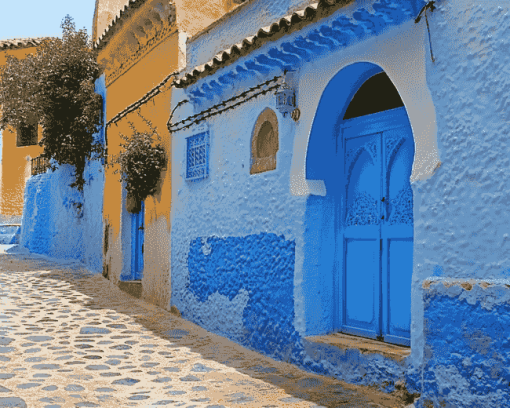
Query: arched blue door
[{"x": 377, "y": 226}]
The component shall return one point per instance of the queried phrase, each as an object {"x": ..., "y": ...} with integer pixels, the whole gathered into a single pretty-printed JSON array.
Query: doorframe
[{"x": 321, "y": 277}]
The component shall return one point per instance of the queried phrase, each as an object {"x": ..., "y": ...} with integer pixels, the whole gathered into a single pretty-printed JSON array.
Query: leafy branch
[
  {"x": 141, "y": 161},
  {"x": 55, "y": 88}
]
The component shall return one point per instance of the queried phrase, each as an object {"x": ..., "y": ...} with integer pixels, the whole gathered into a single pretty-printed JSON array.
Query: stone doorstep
[
  {"x": 133, "y": 288},
  {"x": 365, "y": 346}
]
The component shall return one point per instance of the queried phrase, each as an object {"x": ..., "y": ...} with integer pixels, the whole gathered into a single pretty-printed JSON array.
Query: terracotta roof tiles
[{"x": 18, "y": 43}]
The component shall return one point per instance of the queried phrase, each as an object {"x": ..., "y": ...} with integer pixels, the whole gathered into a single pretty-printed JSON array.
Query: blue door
[
  {"x": 377, "y": 226},
  {"x": 137, "y": 241}
]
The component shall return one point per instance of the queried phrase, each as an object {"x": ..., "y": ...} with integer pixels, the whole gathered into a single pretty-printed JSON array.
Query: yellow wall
[
  {"x": 15, "y": 168},
  {"x": 127, "y": 80}
]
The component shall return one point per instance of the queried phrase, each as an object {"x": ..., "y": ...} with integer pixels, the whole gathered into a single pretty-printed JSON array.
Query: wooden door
[
  {"x": 137, "y": 243},
  {"x": 377, "y": 227}
]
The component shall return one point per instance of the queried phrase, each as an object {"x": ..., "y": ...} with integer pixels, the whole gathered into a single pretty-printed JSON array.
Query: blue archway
[{"x": 322, "y": 272}]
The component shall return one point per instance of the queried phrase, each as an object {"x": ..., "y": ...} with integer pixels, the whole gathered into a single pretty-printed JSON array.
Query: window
[
  {"x": 197, "y": 156},
  {"x": 377, "y": 94},
  {"x": 26, "y": 135},
  {"x": 264, "y": 144}
]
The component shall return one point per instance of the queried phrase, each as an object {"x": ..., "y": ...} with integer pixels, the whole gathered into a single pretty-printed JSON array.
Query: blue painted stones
[
  {"x": 176, "y": 392},
  {"x": 46, "y": 366},
  {"x": 190, "y": 378},
  {"x": 7, "y": 349},
  {"x": 121, "y": 347},
  {"x": 172, "y": 369},
  {"x": 145, "y": 365},
  {"x": 86, "y": 404},
  {"x": 3, "y": 389},
  {"x": 74, "y": 387},
  {"x": 162, "y": 380},
  {"x": 112, "y": 362},
  {"x": 200, "y": 368},
  {"x": 35, "y": 359},
  {"x": 94, "y": 330},
  {"x": 138, "y": 397},
  {"x": 199, "y": 388},
  {"x": 12, "y": 402},
  {"x": 63, "y": 358},
  {"x": 4, "y": 376},
  {"x": 5, "y": 341},
  {"x": 50, "y": 388},
  {"x": 126, "y": 381},
  {"x": 105, "y": 390},
  {"x": 164, "y": 402},
  {"x": 32, "y": 350},
  {"x": 39, "y": 338},
  {"x": 109, "y": 374},
  {"x": 27, "y": 385},
  {"x": 117, "y": 326},
  {"x": 97, "y": 367}
]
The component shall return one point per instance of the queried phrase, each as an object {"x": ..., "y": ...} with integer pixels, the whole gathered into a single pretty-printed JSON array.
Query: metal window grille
[
  {"x": 197, "y": 156},
  {"x": 39, "y": 165}
]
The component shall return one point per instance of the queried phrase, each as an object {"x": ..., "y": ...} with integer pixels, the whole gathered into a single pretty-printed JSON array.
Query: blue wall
[
  {"x": 62, "y": 222},
  {"x": 467, "y": 337},
  {"x": 262, "y": 265}
]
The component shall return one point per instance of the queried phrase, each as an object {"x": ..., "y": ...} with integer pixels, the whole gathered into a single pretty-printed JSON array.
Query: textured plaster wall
[
  {"x": 53, "y": 215},
  {"x": 232, "y": 211},
  {"x": 467, "y": 339},
  {"x": 461, "y": 218}
]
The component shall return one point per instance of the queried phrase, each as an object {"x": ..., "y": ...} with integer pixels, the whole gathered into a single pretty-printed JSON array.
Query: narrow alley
[{"x": 72, "y": 339}]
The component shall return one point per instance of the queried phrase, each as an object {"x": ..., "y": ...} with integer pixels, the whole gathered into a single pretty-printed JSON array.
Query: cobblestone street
[{"x": 73, "y": 339}]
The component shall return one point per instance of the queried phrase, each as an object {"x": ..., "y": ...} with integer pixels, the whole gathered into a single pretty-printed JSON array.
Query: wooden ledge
[{"x": 365, "y": 346}]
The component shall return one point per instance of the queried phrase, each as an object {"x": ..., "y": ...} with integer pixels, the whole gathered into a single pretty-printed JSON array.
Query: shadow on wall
[{"x": 59, "y": 222}]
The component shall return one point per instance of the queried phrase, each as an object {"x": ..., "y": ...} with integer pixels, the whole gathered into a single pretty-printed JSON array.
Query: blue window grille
[{"x": 197, "y": 156}]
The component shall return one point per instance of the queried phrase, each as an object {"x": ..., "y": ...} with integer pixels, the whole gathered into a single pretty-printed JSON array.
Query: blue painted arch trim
[{"x": 330, "y": 111}]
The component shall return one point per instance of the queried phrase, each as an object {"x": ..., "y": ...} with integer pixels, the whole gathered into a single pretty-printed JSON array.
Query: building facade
[
  {"x": 18, "y": 147},
  {"x": 338, "y": 186},
  {"x": 142, "y": 48}
]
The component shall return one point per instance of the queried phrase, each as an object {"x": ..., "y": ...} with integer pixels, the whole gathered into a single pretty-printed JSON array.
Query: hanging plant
[
  {"x": 55, "y": 88},
  {"x": 140, "y": 164}
]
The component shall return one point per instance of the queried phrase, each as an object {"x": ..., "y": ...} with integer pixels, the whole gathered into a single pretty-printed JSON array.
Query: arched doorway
[
  {"x": 359, "y": 236},
  {"x": 376, "y": 226}
]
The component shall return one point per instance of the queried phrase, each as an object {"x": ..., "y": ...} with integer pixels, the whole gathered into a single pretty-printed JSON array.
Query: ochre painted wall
[
  {"x": 15, "y": 166},
  {"x": 128, "y": 79}
]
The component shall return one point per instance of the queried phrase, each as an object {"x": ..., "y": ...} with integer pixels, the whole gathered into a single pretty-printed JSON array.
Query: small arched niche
[{"x": 264, "y": 143}]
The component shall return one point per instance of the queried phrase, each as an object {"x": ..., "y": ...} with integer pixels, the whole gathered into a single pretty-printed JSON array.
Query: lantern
[{"x": 285, "y": 99}]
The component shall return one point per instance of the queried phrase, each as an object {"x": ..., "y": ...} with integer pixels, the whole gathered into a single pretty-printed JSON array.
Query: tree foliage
[
  {"x": 55, "y": 88},
  {"x": 140, "y": 162}
]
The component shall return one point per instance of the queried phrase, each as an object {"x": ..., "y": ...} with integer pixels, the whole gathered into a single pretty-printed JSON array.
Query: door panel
[
  {"x": 399, "y": 268},
  {"x": 362, "y": 234},
  {"x": 362, "y": 286}
]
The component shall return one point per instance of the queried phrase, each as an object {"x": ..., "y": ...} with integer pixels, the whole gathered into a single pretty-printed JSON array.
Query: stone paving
[{"x": 72, "y": 339}]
